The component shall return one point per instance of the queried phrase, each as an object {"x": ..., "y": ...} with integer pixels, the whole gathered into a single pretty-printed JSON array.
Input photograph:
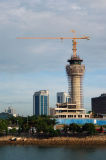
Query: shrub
[
  {"x": 74, "y": 127},
  {"x": 89, "y": 128}
]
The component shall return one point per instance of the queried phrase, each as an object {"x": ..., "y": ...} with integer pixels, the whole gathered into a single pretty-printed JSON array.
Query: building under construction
[{"x": 75, "y": 72}]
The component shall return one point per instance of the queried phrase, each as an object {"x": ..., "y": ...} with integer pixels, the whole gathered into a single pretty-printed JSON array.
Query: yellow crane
[{"x": 74, "y": 38}]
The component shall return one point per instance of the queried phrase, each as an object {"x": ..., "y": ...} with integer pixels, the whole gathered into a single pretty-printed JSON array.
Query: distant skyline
[{"x": 27, "y": 66}]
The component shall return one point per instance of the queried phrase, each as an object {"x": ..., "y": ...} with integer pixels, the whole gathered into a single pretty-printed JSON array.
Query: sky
[{"x": 27, "y": 66}]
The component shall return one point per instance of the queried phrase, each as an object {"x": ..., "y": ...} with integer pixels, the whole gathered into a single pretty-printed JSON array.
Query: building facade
[
  {"x": 99, "y": 104},
  {"x": 75, "y": 71},
  {"x": 52, "y": 111},
  {"x": 63, "y": 97},
  {"x": 41, "y": 103}
]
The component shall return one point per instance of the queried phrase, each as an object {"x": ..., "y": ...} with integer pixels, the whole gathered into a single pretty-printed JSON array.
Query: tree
[
  {"x": 89, "y": 128},
  {"x": 3, "y": 127},
  {"x": 65, "y": 128},
  {"x": 74, "y": 127},
  {"x": 13, "y": 131}
]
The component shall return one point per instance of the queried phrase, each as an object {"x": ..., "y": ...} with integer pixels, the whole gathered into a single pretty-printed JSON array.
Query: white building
[
  {"x": 68, "y": 110},
  {"x": 63, "y": 97}
]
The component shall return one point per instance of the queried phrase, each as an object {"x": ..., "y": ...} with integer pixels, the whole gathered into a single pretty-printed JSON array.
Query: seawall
[{"x": 89, "y": 140}]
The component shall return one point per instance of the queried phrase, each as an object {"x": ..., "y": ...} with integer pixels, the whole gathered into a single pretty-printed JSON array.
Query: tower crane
[{"x": 74, "y": 38}]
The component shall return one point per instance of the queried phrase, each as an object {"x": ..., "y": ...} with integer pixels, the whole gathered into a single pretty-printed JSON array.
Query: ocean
[{"x": 33, "y": 152}]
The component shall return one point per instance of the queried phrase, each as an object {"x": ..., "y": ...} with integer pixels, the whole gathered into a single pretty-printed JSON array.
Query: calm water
[{"x": 52, "y": 153}]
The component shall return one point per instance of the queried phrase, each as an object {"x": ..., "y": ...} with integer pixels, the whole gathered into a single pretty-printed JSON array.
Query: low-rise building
[{"x": 68, "y": 110}]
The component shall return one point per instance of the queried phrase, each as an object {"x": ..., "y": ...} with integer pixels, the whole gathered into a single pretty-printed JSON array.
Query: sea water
[{"x": 33, "y": 152}]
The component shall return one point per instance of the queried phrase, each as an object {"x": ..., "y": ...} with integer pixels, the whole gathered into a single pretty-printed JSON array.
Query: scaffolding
[{"x": 75, "y": 74}]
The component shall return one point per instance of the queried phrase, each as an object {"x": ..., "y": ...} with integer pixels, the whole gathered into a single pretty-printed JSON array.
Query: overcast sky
[{"x": 27, "y": 66}]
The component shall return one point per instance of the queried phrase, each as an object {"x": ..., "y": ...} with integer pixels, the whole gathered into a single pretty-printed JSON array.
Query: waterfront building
[
  {"x": 99, "y": 104},
  {"x": 41, "y": 103},
  {"x": 75, "y": 72},
  {"x": 63, "y": 97},
  {"x": 69, "y": 110}
]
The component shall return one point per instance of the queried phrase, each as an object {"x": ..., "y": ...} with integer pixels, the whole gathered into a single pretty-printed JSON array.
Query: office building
[
  {"x": 99, "y": 104},
  {"x": 41, "y": 103},
  {"x": 63, "y": 97}
]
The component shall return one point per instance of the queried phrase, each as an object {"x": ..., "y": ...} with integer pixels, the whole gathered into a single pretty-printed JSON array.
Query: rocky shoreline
[{"x": 89, "y": 140}]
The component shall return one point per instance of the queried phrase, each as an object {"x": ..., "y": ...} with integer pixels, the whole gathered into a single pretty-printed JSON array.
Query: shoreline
[{"x": 89, "y": 140}]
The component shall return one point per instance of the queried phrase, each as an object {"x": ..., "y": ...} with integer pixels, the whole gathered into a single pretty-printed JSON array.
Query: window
[
  {"x": 45, "y": 105},
  {"x": 80, "y": 116},
  {"x": 58, "y": 99},
  {"x": 86, "y": 116},
  {"x": 41, "y": 105},
  {"x": 70, "y": 116},
  {"x": 37, "y": 105}
]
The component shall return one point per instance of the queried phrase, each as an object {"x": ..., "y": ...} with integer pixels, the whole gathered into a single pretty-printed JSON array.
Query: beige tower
[{"x": 75, "y": 71}]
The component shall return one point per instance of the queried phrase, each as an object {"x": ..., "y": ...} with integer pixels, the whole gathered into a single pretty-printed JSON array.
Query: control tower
[{"x": 75, "y": 71}]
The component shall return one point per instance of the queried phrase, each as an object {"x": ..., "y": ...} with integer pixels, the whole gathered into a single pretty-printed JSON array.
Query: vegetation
[
  {"x": 3, "y": 127},
  {"x": 89, "y": 128},
  {"x": 74, "y": 128},
  {"x": 43, "y": 126}
]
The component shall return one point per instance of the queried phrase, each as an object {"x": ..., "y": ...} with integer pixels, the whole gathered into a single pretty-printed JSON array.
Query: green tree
[
  {"x": 89, "y": 128},
  {"x": 3, "y": 127},
  {"x": 66, "y": 128},
  {"x": 13, "y": 131},
  {"x": 74, "y": 127}
]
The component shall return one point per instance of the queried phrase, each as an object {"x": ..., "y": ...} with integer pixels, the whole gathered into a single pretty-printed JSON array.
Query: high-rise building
[
  {"x": 41, "y": 103},
  {"x": 75, "y": 71},
  {"x": 99, "y": 104},
  {"x": 63, "y": 97}
]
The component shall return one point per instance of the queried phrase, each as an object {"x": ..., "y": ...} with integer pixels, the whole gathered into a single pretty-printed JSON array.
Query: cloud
[{"x": 49, "y": 18}]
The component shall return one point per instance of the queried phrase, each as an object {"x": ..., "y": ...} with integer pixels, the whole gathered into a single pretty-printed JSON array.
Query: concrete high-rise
[
  {"x": 41, "y": 103},
  {"x": 75, "y": 71}
]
